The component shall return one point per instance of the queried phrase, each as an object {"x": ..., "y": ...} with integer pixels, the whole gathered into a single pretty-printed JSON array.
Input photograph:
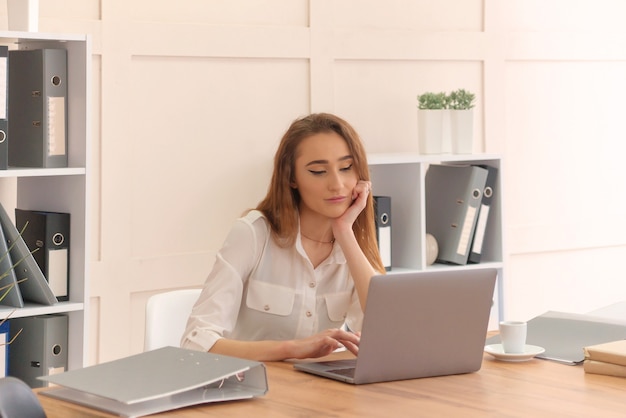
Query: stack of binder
[
  {"x": 33, "y": 108},
  {"x": 40, "y": 349},
  {"x": 458, "y": 200},
  {"x": 23, "y": 277}
]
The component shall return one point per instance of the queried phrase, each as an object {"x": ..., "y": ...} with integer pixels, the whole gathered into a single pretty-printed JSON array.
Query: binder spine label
[
  {"x": 58, "y": 271},
  {"x": 466, "y": 232},
  {"x": 481, "y": 226},
  {"x": 56, "y": 126},
  {"x": 384, "y": 245}
]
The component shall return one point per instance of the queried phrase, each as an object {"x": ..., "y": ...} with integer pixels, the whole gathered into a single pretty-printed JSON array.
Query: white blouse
[{"x": 258, "y": 290}]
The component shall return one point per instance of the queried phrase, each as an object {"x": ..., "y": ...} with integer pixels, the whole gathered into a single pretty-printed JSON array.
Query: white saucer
[{"x": 497, "y": 351}]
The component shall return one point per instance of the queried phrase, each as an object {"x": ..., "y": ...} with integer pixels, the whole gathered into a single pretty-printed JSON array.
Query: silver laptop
[{"x": 418, "y": 324}]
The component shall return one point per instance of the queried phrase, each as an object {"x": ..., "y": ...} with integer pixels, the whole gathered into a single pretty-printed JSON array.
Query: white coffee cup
[{"x": 513, "y": 336}]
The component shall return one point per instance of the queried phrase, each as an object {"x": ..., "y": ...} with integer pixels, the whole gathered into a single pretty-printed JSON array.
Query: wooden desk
[{"x": 533, "y": 388}]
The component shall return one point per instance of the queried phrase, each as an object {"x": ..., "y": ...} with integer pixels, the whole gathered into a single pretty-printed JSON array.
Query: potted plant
[
  {"x": 430, "y": 121},
  {"x": 460, "y": 100},
  {"x": 461, "y": 105},
  {"x": 432, "y": 101}
]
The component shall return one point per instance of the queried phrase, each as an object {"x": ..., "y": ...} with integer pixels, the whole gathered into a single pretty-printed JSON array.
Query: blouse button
[
  {"x": 194, "y": 333},
  {"x": 266, "y": 307},
  {"x": 312, "y": 284},
  {"x": 308, "y": 313}
]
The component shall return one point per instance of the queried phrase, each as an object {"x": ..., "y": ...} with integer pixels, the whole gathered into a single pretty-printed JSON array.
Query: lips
[{"x": 336, "y": 199}]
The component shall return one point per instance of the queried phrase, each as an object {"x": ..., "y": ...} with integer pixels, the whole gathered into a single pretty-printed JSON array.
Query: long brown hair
[{"x": 280, "y": 205}]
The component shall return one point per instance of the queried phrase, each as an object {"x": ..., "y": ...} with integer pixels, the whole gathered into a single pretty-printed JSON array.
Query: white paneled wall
[{"x": 192, "y": 98}]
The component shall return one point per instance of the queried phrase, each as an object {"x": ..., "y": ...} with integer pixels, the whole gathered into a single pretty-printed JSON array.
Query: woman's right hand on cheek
[{"x": 359, "y": 200}]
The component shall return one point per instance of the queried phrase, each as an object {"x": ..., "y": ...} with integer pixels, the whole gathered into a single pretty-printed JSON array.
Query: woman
[{"x": 294, "y": 270}]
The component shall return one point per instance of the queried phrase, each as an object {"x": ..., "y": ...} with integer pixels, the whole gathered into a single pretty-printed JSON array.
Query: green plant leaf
[
  {"x": 461, "y": 99},
  {"x": 432, "y": 101}
]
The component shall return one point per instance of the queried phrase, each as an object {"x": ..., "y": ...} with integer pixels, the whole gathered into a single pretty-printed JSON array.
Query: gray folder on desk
[
  {"x": 564, "y": 335},
  {"x": 160, "y": 380}
]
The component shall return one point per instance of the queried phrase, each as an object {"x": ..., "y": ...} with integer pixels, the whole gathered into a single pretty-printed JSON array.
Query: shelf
[
  {"x": 440, "y": 267},
  {"x": 19, "y": 37},
  {"x": 401, "y": 176},
  {"x": 409, "y": 158},
  {"x": 42, "y": 172},
  {"x": 31, "y": 309},
  {"x": 60, "y": 189}
]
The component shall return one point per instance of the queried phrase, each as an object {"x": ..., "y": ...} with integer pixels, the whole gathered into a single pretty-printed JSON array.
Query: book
[
  {"x": 600, "y": 367},
  {"x": 613, "y": 352}
]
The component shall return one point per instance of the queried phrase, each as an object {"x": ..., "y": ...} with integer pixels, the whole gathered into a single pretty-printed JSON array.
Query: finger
[
  {"x": 341, "y": 334},
  {"x": 353, "y": 348},
  {"x": 361, "y": 189},
  {"x": 351, "y": 339},
  {"x": 367, "y": 187}
]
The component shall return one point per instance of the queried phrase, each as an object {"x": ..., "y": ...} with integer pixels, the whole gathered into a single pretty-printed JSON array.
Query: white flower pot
[
  {"x": 430, "y": 130},
  {"x": 462, "y": 131}
]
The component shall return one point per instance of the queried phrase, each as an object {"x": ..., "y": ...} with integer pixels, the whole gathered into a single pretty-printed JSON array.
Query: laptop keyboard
[{"x": 349, "y": 372}]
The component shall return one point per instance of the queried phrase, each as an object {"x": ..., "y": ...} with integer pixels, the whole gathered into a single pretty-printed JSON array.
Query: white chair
[
  {"x": 17, "y": 399},
  {"x": 166, "y": 317}
]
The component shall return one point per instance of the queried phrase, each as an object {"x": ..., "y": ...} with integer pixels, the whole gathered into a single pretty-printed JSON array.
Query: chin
[{"x": 336, "y": 212}]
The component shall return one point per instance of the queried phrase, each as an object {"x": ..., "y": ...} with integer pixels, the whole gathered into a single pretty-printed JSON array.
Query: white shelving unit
[
  {"x": 402, "y": 177},
  {"x": 60, "y": 189}
]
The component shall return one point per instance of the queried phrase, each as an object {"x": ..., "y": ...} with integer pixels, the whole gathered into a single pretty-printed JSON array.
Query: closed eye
[
  {"x": 348, "y": 168},
  {"x": 317, "y": 172}
]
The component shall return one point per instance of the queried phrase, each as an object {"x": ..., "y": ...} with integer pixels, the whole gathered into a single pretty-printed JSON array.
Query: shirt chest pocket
[
  {"x": 270, "y": 298},
  {"x": 337, "y": 305}
]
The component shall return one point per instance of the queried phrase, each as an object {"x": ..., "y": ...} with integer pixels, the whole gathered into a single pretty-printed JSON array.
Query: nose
[{"x": 334, "y": 181}]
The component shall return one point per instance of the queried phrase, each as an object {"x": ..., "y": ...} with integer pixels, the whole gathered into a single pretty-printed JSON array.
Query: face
[{"x": 325, "y": 175}]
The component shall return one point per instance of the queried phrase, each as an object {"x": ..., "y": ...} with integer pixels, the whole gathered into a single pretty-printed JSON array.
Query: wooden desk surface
[{"x": 502, "y": 389}]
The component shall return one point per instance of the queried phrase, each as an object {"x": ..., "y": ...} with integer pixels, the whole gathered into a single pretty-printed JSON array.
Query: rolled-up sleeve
[{"x": 215, "y": 313}]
